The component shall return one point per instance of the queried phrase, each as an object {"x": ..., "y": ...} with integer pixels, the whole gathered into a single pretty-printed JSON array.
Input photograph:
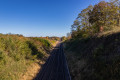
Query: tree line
[{"x": 96, "y": 18}]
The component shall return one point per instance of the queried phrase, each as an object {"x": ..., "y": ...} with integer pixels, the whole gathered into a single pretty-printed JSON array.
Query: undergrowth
[
  {"x": 18, "y": 52},
  {"x": 101, "y": 55}
]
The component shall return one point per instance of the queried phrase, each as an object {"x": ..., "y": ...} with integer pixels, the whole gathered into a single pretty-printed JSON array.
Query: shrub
[{"x": 17, "y": 52}]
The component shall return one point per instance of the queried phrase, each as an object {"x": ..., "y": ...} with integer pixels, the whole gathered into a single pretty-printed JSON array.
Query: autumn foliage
[{"x": 96, "y": 18}]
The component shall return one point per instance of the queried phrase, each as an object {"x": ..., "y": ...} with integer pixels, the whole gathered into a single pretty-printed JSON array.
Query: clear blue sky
[{"x": 40, "y": 17}]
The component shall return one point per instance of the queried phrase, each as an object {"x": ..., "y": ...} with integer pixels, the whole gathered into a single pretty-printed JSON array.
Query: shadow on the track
[{"x": 41, "y": 71}]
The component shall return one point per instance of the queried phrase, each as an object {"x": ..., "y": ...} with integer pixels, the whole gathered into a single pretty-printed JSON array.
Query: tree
[
  {"x": 63, "y": 38},
  {"x": 81, "y": 24},
  {"x": 98, "y": 15},
  {"x": 97, "y": 18}
]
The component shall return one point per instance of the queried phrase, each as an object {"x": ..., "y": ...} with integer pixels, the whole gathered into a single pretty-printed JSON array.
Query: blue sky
[{"x": 40, "y": 17}]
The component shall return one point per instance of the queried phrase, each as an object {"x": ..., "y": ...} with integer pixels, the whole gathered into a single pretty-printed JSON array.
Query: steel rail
[{"x": 56, "y": 67}]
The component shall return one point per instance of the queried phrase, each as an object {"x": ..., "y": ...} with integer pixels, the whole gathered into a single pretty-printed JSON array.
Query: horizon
[{"x": 40, "y": 18}]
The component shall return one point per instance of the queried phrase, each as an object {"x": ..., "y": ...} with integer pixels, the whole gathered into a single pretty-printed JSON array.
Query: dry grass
[
  {"x": 109, "y": 32},
  {"x": 32, "y": 71},
  {"x": 75, "y": 65},
  {"x": 17, "y": 53},
  {"x": 95, "y": 58}
]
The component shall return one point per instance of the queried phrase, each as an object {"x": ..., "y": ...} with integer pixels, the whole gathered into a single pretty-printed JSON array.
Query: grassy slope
[
  {"x": 18, "y": 52},
  {"x": 96, "y": 58}
]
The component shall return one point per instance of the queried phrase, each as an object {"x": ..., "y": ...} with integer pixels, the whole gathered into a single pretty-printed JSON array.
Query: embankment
[{"x": 94, "y": 58}]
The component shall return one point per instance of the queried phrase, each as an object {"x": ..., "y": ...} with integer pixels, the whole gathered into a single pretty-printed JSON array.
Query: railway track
[{"x": 55, "y": 67}]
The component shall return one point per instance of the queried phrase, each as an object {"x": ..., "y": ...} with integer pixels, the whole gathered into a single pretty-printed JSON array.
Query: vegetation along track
[{"x": 55, "y": 67}]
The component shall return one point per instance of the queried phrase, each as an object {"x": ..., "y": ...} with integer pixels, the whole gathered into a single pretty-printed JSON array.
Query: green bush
[{"x": 17, "y": 52}]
